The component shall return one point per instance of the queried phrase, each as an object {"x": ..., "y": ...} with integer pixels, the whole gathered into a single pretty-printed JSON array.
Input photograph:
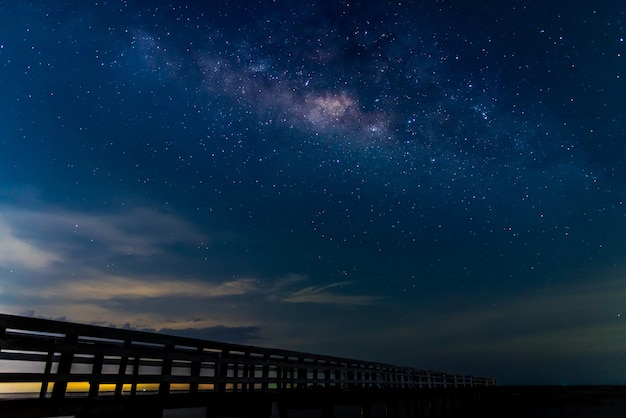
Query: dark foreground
[
  {"x": 550, "y": 401},
  {"x": 496, "y": 402}
]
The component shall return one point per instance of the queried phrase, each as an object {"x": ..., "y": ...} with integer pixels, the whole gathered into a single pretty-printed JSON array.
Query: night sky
[{"x": 439, "y": 185}]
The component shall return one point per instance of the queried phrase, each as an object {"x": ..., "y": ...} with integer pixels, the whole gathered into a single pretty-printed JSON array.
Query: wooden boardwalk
[{"x": 52, "y": 368}]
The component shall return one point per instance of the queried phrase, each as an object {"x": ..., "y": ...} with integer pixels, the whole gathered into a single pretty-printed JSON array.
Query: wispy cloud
[
  {"x": 18, "y": 252},
  {"x": 115, "y": 266},
  {"x": 106, "y": 288},
  {"x": 122, "y": 267},
  {"x": 327, "y": 295},
  {"x": 138, "y": 231}
]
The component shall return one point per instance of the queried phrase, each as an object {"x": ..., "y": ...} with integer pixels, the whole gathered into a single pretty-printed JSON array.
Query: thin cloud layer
[
  {"x": 107, "y": 288},
  {"x": 117, "y": 268},
  {"x": 324, "y": 295},
  {"x": 138, "y": 231},
  {"x": 85, "y": 261},
  {"x": 18, "y": 252}
]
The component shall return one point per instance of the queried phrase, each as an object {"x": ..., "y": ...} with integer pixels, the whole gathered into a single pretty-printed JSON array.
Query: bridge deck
[{"x": 63, "y": 364}]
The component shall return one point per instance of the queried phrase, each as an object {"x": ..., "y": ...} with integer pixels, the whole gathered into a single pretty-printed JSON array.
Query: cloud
[
  {"x": 324, "y": 295},
  {"x": 124, "y": 266},
  {"x": 18, "y": 252},
  {"x": 114, "y": 266},
  {"x": 138, "y": 231},
  {"x": 284, "y": 290},
  {"x": 107, "y": 288}
]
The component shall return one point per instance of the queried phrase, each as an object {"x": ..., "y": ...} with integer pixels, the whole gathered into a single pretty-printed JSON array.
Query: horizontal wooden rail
[{"x": 53, "y": 359}]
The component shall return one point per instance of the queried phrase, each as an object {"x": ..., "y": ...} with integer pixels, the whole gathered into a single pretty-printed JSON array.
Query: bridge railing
[{"x": 53, "y": 359}]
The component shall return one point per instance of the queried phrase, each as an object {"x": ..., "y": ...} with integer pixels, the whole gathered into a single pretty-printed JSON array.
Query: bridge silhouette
[{"x": 53, "y": 368}]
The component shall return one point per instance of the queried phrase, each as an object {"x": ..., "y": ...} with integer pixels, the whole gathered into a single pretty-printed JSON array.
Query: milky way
[{"x": 387, "y": 101}]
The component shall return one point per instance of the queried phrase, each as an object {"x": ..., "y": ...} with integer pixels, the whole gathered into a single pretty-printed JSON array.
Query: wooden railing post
[
  {"x": 280, "y": 375},
  {"x": 248, "y": 372},
  {"x": 315, "y": 381},
  {"x": 302, "y": 375},
  {"x": 284, "y": 375},
  {"x": 222, "y": 371},
  {"x": 293, "y": 377},
  {"x": 46, "y": 374},
  {"x": 265, "y": 374},
  {"x": 65, "y": 365},
  {"x": 196, "y": 366},
  {"x": 96, "y": 376},
  {"x": 119, "y": 386},
  {"x": 166, "y": 371},
  {"x": 350, "y": 377},
  {"x": 136, "y": 363}
]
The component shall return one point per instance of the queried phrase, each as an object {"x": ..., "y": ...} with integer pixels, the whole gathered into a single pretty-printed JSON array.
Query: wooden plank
[
  {"x": 22, "y": 377},
  {"x": 24, "y": 356}
]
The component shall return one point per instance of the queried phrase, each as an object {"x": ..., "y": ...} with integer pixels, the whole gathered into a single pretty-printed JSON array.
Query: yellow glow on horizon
[
  {"x": 26, "y": 387},
  {"x": 147, "y": 387},
  {"x": 107, "y": 387},
  {"x": 76, "y": 388}
]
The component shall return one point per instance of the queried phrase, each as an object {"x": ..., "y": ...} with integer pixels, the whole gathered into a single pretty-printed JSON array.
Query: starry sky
[{"x": 434, "y": 184}]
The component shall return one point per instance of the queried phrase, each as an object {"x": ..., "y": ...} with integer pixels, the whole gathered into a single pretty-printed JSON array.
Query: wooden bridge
[{"x": 52, "y": 368}]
